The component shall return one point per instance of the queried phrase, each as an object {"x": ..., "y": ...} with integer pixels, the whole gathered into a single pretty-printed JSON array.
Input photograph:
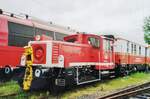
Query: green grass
[
  {"x": 99, "y": 88},
  {"x": 107, "y": 87},
  {"x": 9, "y": 87}
]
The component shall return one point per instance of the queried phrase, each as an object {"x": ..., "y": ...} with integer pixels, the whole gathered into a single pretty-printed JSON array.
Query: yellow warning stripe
[{"x": 29, "y": 71}]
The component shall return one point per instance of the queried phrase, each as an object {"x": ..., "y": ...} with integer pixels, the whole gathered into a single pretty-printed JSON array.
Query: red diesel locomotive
[
  {"x": 80, "y": 59},
  {"x": 16, "y": 32}
]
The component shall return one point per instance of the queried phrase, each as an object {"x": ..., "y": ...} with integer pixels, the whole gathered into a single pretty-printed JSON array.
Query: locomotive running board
[{"x": 84, "y": 82}]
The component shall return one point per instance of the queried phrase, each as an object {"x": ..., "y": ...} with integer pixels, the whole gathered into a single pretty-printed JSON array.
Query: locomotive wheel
[
  {"x": 146, "y": 68},
  {"x": 54, "y": 89},
  {"x": 123, "y": 71}
]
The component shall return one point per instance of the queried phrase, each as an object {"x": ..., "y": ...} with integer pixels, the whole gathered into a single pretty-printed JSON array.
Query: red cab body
[{"x": 77, "y": 50}]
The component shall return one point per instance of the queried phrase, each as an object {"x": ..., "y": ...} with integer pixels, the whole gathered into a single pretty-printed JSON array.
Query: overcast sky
[{"x": 121, "y": 17}]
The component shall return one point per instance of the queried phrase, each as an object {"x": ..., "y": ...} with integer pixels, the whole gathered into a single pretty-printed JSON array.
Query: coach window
[
  {"x": 127, "y": 46},
  {"x": 139, "y": 50},
  {"x": 93, "y": 41},
  {"x": 44, "y": 32},
  {"x": 19, "y": 35},
  {"x": 131, "y": 48},
  {"x": 135, "y": 49}
]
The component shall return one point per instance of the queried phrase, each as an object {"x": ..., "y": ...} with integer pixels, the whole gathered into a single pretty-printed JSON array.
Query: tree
[{"x": 146, "y": 28}]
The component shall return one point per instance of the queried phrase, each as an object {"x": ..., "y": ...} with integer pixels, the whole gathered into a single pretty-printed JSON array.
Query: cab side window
[
  {"x": 107, "y": 45},
  {"x": 72, "y": 40},
  {"x": 94, "y": 42}
]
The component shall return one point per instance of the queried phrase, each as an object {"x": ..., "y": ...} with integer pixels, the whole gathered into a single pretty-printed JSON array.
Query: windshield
[{"x": 71, "y": 40}]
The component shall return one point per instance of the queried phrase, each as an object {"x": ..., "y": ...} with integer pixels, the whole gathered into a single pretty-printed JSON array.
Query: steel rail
[{"x": 127, "y": 91}]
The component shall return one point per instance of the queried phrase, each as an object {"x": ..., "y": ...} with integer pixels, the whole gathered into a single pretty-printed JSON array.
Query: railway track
[
  {"x": 141, "y": 96},
  {"x": 16, "y": 95},
  {"x": 8, "y": 95},
  {"x": 128, "y": 92}
]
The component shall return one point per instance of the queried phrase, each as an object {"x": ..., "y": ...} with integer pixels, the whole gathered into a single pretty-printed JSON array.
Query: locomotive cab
[{"x": 89, "y": 39}]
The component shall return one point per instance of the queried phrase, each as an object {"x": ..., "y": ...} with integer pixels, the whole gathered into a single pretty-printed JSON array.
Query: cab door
[
  {"x": 108, "y": 54},
  {"x": 94, "y": 50}
]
